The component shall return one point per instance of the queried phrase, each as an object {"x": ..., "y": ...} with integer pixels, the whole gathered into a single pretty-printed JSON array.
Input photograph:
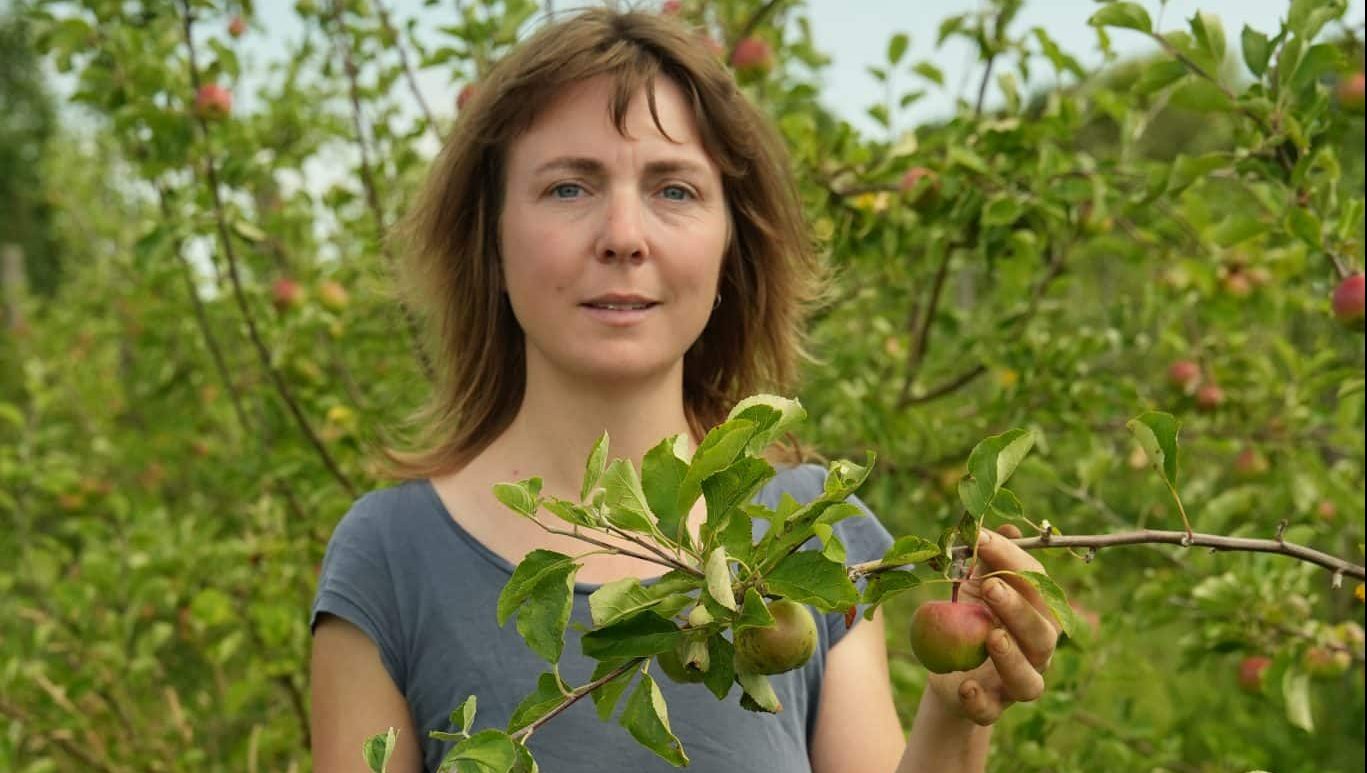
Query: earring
[{"x": 717, "y": 302}]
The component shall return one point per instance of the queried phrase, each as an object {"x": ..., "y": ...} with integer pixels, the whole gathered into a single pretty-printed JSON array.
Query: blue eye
[
  {"x": 562, "y": 186},
  {"x": 686, "y": 191}
]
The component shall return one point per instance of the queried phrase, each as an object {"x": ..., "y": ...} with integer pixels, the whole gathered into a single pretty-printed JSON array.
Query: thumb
[{"x": 1009, "y": 531}]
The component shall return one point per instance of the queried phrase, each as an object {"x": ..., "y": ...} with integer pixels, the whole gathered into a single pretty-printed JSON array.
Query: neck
[{"x": 561, "y": 417}]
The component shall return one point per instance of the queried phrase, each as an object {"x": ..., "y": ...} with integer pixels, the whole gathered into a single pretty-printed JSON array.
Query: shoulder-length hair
[{"x": 772, "y": 273}]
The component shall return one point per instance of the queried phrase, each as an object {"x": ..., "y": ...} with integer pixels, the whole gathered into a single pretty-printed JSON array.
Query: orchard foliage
[{"x": 191, "y": 402}]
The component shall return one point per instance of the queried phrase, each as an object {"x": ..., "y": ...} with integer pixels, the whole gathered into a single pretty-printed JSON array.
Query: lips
[{"x": 620, "y": 302}]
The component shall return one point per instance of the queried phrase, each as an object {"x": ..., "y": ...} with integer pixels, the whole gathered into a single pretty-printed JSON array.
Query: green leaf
[
  {"x": 772, "y": 417},
  {"x": 1296, "y": 693},
  {"x": 759, "y": 693},
  {"x": 831, "y": 546},
  {"x": 1057, "y": 600},
  {"x": 721, "y": 669},
  {"x": 1200, "y": 95},
  {"x": 1007, "y": 505},
  {"x": 488, "y": 751},
  {"x": 543, "y": 615},
  {"x": 641, "y": 635},
  {"x": 1318, "y": 60},
  {"x": 605, "y": 697},
  {"x": 1256, "y": 50},
  {"x": 1160, "y": 75},
  {"x": 811, "y": 578},
  {"x": 1127, "y": 15},
  {"x": 530, "y": 571},
  {"x": 719, "y": 579},
  {"x": 378, "y": 749},
  {"x": 662, "y": 471},
  {"x": 570, "y": 512},
  {"x": 1307, "y": 17},
  {"x": 726, "y": 491},
  {"x": 1002, "y": 210},
  {"x": 717, "y": 451},
  {"x": 593, "y": 469},
  {"x": 1237, "y": 228},
  {"x": 897, "y": 47},
  {"x": 1188, "y": 169},
  {"x": 646, "y": 717},
  {"x": 910, "y": 549},
  {"x": 1305, "y": 226},
  {"x": 538, "y": 703},
  {"x": 1209, "y": 34},
  {"x": 465, "y": 715},
  {"x": 753, "y": 612},
  {"x": 884, "y": 585},
  {"x": 621, "y": 598},
  {"x": 521, "y": 497},
  {"x": 627, "y": 507},
  {"x": 1157, "y": 435},
  {"x": 990, "y": 465},
  {"x": 248, "y": 231},
  {"x": 930, "y": 72}
]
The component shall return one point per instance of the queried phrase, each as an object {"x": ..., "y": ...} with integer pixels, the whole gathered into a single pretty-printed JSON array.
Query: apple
[
  {"x": 1185, "y": 375},
  {"x": 213, "y": 102},
  {"x": 332, "y": 295},
  {"x": 1348, "y": 301},
  {"x": 466, "y": 94},
  {"x": 1326, "y": 510},
  {"x": 1209, "y": 397},
  {"x": 780, "y": 647},
  {"x": 671, "y": 7},
  {"x": 286, "y": 294},
  {"x": 1350, "y": 93},
  {"x": 950, "y": 636},
  {"x": 1326, "y": 663},
  {"x": 928, "y": 194},
  {"x": 753, "y": 55},
  {"x": 1250, "y": 463},
  {"x": 1238, "y": 284},
  {"x": 710, "y": 43},
  {"x": 237, "y": 26},
  {"x": 1251, "y": 671}
]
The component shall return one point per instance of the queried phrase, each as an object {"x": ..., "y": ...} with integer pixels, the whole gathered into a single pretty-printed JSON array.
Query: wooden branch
[
  {"x": 1216, "y": 542},
  {"x": 225, "y": 240},
  {"x": 372, "y": 195}
]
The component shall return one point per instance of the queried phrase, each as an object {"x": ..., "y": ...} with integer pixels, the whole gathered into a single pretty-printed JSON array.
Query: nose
[{"x": 623, "y": 231}]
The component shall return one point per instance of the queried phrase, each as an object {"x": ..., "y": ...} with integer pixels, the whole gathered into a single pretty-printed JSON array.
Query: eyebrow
[{"x": 594, "y": 167}]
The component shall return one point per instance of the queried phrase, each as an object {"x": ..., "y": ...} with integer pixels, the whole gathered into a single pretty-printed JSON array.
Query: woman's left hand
[{"x": 1019, "y": 649}]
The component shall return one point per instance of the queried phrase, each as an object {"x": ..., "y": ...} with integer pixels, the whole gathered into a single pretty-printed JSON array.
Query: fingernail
[
  {"x": 1000, "y": 642},
  {"x": 996, "y": 590}
]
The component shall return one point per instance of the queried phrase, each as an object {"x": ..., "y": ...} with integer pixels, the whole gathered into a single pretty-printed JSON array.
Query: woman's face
[{"x": 612, "y": 247}]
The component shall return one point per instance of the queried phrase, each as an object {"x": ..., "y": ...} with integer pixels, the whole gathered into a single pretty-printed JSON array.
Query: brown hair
[{"x": 772, "y": 275}]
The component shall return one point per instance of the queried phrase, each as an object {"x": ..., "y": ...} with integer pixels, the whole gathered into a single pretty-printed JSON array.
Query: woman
[{"x": 610, "y": 240}]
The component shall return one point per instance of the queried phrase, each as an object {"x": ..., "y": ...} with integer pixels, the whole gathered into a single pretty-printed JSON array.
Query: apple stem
[{"x": 954, "y": 593}]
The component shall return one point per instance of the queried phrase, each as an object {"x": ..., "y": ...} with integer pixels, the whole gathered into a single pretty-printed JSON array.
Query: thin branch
[
  {"x": 60, "y": 739},
  {"x": 408, "y": 73},
  {"x": 922, "y": 340},
  {"x": 372, "y": 195},
  {"x": 225, "y": 239},
  {"x": 751, "y": 24},
  {"x": 522, "y": 735},
  {"x": 667, "y": 561},
  {"x": 1217, "y": 542}
]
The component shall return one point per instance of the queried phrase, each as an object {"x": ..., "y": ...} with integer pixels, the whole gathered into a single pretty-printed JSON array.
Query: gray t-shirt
[{"x": 401, "y": 569}]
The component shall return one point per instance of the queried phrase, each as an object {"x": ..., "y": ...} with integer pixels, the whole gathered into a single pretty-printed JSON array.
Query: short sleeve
[{"x": 356, "y": 583}]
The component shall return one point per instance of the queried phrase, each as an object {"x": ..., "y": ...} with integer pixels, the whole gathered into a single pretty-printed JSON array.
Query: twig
[
  {"x": 408, "y": 70},
  {"x": 922, "y": 341},
  {"x": 263, "y": 352},
  {"x": 521, "y": 735}
]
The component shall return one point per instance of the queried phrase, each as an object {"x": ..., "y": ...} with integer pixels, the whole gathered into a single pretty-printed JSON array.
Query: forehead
[{"x": 578, "y": 119}]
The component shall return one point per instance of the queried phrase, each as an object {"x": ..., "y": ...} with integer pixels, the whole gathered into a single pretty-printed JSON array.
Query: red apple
[
  {"x": 1350, "y": 93},
  {"x": 466, "y": 94},
  {"x": 1326, "y": 510},
  {"x": 753, "y": 55},
  {"x": 285, "y": 294},
  {"x": 1326, "y": 663},
  {"x": 1209, "y": 397},
  {"x": 1348, "y": 301},
  {"x": 671, "y": 7},
  {"x": 1185, "y": 375},
  {"x": 237, "y": 26},
  {"x": 1251, "y": 671},
  {"x": 950, "y": 636},
  {"x": 213, "y": 102},
  {"x": 929, "y": 192},
  {"x": 1250, "y": 463},
  {"x": 710, "y": 43},
  {"x": 1238, "y": 284}
]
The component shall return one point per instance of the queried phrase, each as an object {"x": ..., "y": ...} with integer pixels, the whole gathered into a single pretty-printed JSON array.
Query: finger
[
  {"x": 978, "y": 704},
  {"x": 999, "y": 553},
  {"x": 1009, "y": 531},
  {"x": 1034, "y": 631},
  {"x": 1020, "y": 680}
]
